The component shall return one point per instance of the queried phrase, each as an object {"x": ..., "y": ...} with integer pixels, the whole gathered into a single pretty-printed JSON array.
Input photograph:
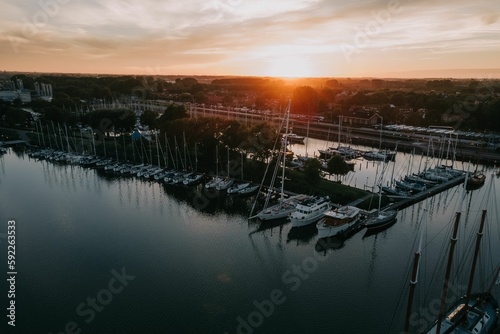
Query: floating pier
[{"x": 420, "y": 196}]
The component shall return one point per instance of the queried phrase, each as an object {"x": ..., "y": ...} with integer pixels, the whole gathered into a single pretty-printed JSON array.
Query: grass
[
  {"x": 337, "y": 192},
  {"x": 7, "y": 134}
]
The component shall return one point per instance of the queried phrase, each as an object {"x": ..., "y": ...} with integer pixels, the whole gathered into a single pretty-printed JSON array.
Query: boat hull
[{"x": 325, "y": 230}]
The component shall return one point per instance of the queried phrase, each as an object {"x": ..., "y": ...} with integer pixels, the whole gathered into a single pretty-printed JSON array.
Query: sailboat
[
  {"x": 381, "y": 218},
  {"x": 285, "y": 206},
  {"x": 228, "y": 181},
  {"x": 473, "y": 313},
  {"x": 217, "y": 179}
]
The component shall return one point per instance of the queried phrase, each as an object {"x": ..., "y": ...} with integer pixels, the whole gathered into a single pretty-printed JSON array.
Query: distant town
[{"x": 465, "y": 105}]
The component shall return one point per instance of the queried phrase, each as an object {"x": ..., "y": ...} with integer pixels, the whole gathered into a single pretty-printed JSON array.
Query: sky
[{"x": 286, "y": 38}]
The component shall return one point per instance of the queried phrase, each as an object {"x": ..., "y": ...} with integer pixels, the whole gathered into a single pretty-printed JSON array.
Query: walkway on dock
[
  {"x": 420, "y": 196},
  {"x": 360, "y": 200}
]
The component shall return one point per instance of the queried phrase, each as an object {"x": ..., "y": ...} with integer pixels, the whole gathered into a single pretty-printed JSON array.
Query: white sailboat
[
  {"x": 285, "y": 206},
  {"x": 381, "y": 218}
]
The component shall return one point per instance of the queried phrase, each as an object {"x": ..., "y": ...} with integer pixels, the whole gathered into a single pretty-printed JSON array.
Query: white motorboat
[
  {"x": 310, "y": 210},
  {"x": 338, "y": 221}
]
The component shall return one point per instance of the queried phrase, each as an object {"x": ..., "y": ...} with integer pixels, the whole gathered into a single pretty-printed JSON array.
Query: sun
[{"x": 292, "y": 66}]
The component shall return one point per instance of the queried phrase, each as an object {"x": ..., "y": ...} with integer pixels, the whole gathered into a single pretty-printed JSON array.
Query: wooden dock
[{"x": 420, "y": 196}]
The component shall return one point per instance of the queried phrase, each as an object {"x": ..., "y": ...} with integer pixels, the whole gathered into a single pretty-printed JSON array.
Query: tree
[
  {"x": 305, "y": 101},
  {"x": 173, "y": 112},
  {"x": 338, "y": 166},
  {"x": 15, "y": 116},
  {"x": 149, "y": 118},
  {"x": 312, "y": 169}
]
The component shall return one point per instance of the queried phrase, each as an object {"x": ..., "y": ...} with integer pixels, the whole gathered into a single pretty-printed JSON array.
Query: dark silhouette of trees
[
  {"x": 305, "y": 101},
  {"x": 150, "y": 119},
  {"x": 312, "y": 169},
  {"x": 338, "y": 166}
]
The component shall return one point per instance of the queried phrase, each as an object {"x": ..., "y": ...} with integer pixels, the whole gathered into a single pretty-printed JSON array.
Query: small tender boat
[
  {"x": 225, "y": 184},
  {"x": 251, "y": 189},
  {"x": 236, "y": 188},
  {"x": 193, "y": 179},
  {"x": 476, "y": 180}
]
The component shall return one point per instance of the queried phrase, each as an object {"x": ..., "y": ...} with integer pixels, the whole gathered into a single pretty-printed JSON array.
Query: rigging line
[
  {"x": 267, "y": 169},
  {"x": 448, "y": 228},
  {"x": 404, "y": 286}
]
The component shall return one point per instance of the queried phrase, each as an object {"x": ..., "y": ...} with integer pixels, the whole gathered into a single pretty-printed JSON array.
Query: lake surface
[{"x": 101, "y": 254}]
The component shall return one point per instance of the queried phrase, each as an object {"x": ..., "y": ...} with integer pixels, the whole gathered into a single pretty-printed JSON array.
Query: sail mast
[
  {"x": 413, "y": 281},
  {"x": 284, "y": 152},
  {"x": 453, "y": 241},
  {"x": 474, "y": 262}
]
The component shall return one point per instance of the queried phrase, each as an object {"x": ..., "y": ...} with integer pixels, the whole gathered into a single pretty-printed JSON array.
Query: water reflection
[
  {"x": 263, "y": 226},
  {"x": 302, "y": 235},
  {"x": 324, "y": 245},
  {"x": 377, "y": 230}
]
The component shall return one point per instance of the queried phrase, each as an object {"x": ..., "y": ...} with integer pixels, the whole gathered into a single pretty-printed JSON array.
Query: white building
[{"x": 11, "y": 95}]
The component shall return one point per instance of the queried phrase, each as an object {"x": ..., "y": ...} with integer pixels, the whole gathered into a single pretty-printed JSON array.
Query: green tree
[
  {"x": 149, "y": 118},
  {"x": 305, "y": 101},
  {"x": 15, "y": 116},
  {"x": 338, "y": 166},
  {"x": 173, "y": 112},
  {"x": 312, "y": 169}
]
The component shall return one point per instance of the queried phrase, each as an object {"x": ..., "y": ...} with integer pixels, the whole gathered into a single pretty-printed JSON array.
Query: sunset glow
[{"x": 241, "y": 37}]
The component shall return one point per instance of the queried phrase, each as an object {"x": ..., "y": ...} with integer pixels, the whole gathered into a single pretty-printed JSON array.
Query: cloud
[{"x": 220, "y": 35}]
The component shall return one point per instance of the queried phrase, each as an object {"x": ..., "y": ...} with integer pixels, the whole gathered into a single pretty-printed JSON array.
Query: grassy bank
[
  {"x": 338, "y": 193},
  {"x": 8, "y": 134}
]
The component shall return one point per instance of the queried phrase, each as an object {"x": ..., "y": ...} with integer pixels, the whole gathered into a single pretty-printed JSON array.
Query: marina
[{"x": 156, "y": 232}]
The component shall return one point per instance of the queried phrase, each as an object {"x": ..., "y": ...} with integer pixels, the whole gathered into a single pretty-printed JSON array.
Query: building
[
  {"x": 10, "y": 95},
  {"x": 19, "y": 84},
  {"x": 43, "y": 90},
  {"x": 361, "y": 116}
]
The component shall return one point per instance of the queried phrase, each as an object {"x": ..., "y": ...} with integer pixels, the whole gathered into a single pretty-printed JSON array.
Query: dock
[
  {"x": 420, "y": 196},
  {"x": 13, "y": 142}
]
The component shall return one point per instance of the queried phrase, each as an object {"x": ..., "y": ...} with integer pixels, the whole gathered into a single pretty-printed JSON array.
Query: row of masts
[
  {"x": 58, "y": 138},
  {"x": 442, "y": 308},
  {"x": 179, "y": 158}
]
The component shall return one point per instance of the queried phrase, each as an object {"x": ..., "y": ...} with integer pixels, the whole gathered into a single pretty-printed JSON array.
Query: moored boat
[
  {"x": 338, "y": 221},
  {"x": 237, "y": 187},
  {"x": 225, "y": 184},
  {"x": 475, "y": 180},
  {"x": 310, "y": 210},
  {"x": 380, "y": 219}
]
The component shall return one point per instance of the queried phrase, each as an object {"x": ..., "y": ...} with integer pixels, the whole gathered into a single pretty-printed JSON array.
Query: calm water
[{"x": 188, "y": 265}]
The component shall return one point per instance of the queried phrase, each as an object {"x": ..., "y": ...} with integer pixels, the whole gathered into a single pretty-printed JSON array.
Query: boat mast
[
  {"x": 307, "y": 137},
  {"x": 228, "y": 161},
  {"x": 340, "y": 127},
  {"x": 287, "y": 115},
  {"x": 195, "y": 156},
  {"x": 453, "y": 241},
  {"x": 116, "y": 146},
  {"x": 380, "y": 140},
  {"x": 474, "y": 262},
  {"x": 157, "y": 149},
  {"x": 241, "y": 165},
  {"x": 81, "y": 140},
  {"x": 38, "y": 134},
  {"x": 217, "y": 160},
  {"x": 413, "y": 281},
  {"x": 48, "y": 136},
  {"x": 124, "y": 147}
]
